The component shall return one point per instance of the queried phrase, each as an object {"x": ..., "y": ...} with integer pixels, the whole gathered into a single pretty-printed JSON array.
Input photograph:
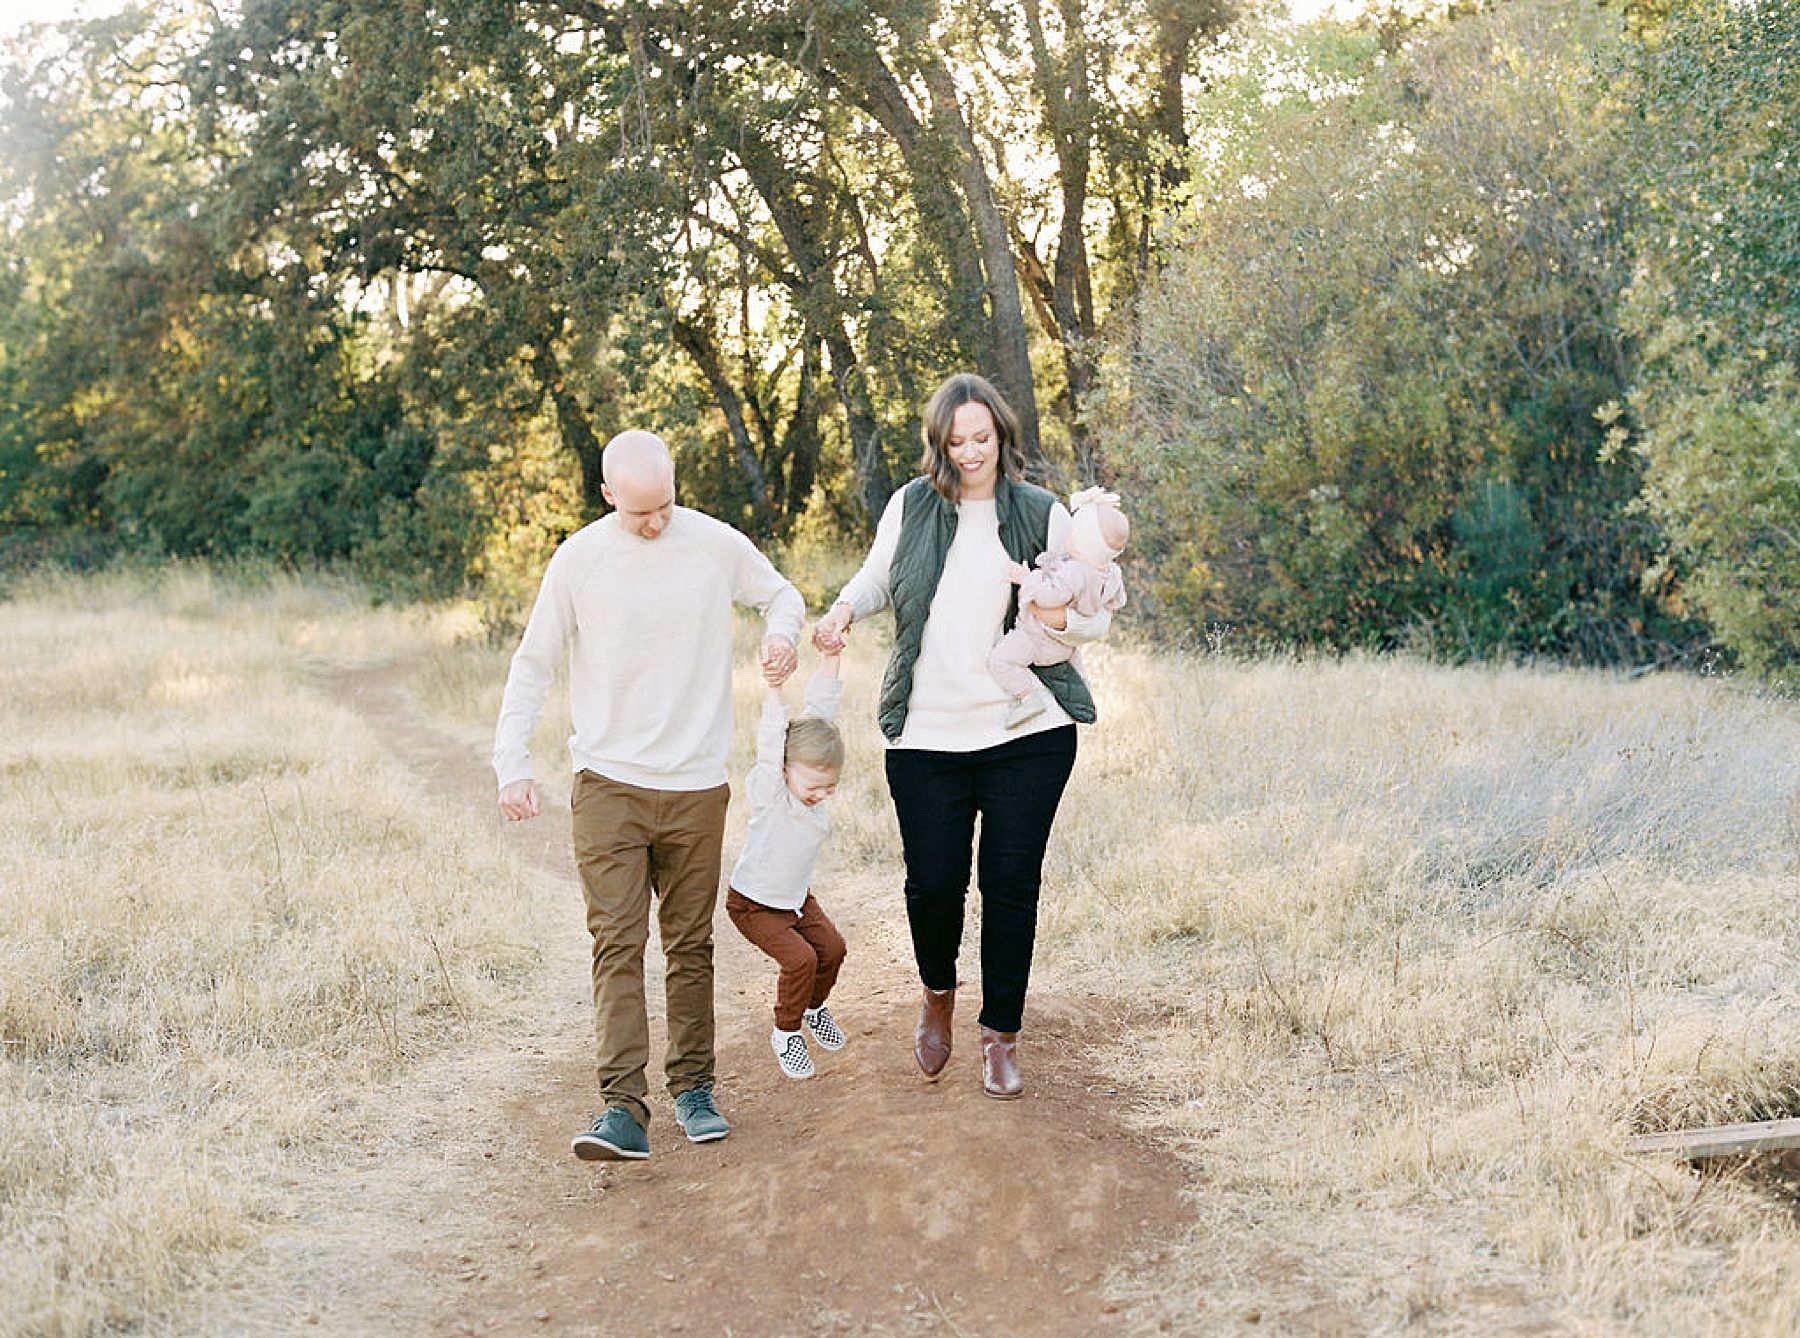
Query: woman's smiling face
[{"x": 974, "y": 448}]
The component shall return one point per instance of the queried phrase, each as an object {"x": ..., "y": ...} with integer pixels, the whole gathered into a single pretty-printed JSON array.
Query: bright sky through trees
[{"x": 18, "y": 13}]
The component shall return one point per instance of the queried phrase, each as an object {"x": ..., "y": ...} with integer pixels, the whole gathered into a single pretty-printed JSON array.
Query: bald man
[{"x": 640, "y": 603}]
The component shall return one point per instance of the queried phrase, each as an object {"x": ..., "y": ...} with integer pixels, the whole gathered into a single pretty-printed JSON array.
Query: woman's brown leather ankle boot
[
  {"x": 1000, "y": 1064},
  {"x": 931, "y": 1042}
]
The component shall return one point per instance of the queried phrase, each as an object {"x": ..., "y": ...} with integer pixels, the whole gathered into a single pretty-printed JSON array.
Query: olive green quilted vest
[{"x": 928, "y": 524}]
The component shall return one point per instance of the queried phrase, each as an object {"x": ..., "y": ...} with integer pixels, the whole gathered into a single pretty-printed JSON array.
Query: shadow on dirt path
[{"x": 863, "y": 1201}]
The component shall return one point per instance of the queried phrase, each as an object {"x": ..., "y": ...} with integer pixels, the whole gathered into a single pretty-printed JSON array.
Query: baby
[{"x": 1085, "y": 578}]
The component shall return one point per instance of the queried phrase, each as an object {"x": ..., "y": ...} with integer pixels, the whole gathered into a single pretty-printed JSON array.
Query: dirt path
[{"x": 861, "y": 1202}]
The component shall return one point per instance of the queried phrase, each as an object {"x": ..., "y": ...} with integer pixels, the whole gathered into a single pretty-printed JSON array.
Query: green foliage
[
  {"x": 1725, "y": 479},
  {"x": 1720, "y": 122},
  {"x": 351, "y": 282},
  {"x": 168, "y": 382},
  {"x": 1361, "y": 401},
  {"x": 764, "y": 230},
  {"x": 1717, "y": 308}
]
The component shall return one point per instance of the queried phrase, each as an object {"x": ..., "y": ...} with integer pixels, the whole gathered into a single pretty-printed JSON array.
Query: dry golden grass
[
  {"x": 1412, "y": 950},
  {"x": 225, "y": 916},
  {"x": 1408, "y": 953}
]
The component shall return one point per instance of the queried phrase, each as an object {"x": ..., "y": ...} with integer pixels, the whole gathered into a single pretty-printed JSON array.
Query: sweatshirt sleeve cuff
[{"x": 786, "y": 612}]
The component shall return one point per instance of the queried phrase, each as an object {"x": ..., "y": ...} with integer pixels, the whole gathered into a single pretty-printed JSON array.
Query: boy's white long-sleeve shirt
[
  {"x": 647, "y": 627},
  {"x": 782, "y": 840},
  {"x": 957, "y": 706}
]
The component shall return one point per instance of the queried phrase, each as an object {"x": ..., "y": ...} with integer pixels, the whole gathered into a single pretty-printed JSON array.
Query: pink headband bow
[{"x": 1088, "y": 496}]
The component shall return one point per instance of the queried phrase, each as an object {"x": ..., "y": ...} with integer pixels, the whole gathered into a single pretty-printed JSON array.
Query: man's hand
[
  {"x": 519, "y": 801},
  {"x": 828, "y": 632},
  {"x": 779, "y": 659},
  {"x": 1055, "y": 619}
]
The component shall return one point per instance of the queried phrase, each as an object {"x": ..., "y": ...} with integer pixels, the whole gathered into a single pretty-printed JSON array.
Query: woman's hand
[{"x": 828, "y": 632}]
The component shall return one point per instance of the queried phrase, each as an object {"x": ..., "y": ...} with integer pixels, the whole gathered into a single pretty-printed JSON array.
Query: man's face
[{"x": 644, "y": 506}]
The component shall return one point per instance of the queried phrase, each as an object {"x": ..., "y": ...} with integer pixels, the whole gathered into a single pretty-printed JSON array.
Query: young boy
[
  {"x": 795, "y": 773},
  {"x": 1085, "y": 577}
]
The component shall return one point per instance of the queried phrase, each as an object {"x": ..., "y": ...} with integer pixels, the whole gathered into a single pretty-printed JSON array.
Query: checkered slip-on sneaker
[
  {"x": 824, "y": 1028},
  {"x": 791, "y": 1053}
]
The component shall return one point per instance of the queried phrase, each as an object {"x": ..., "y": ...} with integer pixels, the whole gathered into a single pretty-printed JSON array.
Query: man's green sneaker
[
  {"x": 699, "y": 1118},
  {"x": 614, "y": 1137}
]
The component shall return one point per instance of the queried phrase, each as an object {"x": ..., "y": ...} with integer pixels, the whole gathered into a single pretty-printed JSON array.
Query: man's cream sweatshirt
[{"x": 646, "y": 624}]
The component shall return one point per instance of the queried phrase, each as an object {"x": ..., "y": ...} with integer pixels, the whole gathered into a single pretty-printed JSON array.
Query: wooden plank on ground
[{"x": 1723, "y": 1140}]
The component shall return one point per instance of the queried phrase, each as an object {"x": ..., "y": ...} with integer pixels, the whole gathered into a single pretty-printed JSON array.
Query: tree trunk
[
  {"x": 1008, "y": 349},
  {"x": 1065, "y": 88},
  {"x": 801, "y": 440},
  {"x": 571, "y": 422},
  {"x": 821, "y": 306},
  {"x": 969, "y": 232},
  {"x": 698, "y": 345},
  {"x": 872, "y": 482},
  {"x": 858, "y": 73}
]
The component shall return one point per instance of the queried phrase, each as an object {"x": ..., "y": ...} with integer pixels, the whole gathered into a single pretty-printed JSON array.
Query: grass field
[
  {"x": 1415, "y": 948},
  {"x": 1403, "y": 954},
  {"x": 224, "y": 921}
]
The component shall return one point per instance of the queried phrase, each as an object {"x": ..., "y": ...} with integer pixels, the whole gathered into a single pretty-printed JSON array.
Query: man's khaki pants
[{"x": 632, "y": 844}]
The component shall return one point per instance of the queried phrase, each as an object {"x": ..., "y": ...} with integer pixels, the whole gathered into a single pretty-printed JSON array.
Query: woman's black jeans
[{"x": 1015, "y": 787}]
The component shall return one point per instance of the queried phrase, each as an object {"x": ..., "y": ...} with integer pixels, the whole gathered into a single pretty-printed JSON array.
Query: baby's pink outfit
[{"x": 1057, "y": 580}]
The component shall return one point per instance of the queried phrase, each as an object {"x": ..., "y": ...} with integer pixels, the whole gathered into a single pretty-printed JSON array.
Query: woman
[{"x": 941, "y": 557}]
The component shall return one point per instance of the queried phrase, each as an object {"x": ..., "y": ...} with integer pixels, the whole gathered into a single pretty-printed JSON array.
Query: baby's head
[
  {"x": 814, "y": 759},
  {"x": 1100, "y": 530}
]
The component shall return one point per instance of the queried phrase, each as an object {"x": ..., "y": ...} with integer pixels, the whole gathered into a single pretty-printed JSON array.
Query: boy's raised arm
[
  {"x": 771, "y": 734},
  {"x": 824, "y": 690}
]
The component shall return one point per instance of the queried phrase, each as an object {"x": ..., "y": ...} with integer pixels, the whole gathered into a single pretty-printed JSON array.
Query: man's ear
[{"x": 606, "y": 494}]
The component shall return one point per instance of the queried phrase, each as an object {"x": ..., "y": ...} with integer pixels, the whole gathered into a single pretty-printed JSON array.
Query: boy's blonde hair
[{"x": 813, "y": 741}]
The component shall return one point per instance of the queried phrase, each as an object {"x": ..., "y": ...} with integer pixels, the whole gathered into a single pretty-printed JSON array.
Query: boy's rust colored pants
[
  {"x": 633, "y": 845},
  {"x": 804, "y": 943}
]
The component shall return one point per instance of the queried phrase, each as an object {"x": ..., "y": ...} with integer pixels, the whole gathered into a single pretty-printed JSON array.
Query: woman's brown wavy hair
[{"x": 967, "y": 388}]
